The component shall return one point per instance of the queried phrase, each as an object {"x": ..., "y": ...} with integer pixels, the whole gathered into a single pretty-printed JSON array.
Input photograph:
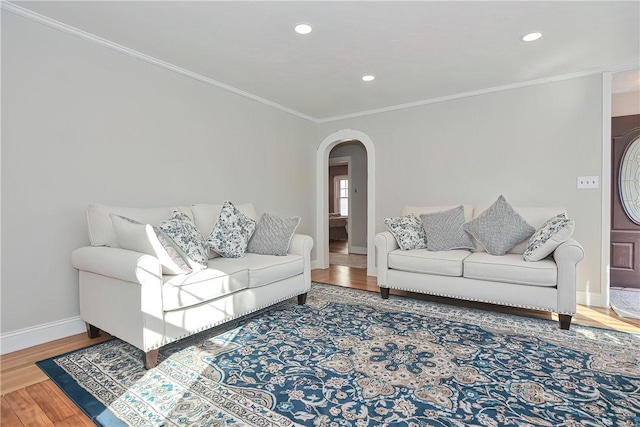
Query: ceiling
[{"x": 419, "y": 51}]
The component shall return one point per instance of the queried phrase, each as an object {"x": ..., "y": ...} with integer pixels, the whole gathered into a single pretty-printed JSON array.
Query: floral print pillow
[
  {"x": 407, "y": 231},
  {"x": 230, "y": 236},
  {"x": 188, "y": 240},
  {"x": 548, "y": 237}
]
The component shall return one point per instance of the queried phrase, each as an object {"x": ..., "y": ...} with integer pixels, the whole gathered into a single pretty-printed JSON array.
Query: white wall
[
  {"x": 528, "y": 144},
  {"x": 625, "y": 104},
  {"x": 82, "y": 123},
  {"x": 357, "y": 191}
]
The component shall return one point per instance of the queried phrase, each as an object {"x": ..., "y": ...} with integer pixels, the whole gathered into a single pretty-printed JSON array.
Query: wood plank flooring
[{"x": 29, "y": 398}]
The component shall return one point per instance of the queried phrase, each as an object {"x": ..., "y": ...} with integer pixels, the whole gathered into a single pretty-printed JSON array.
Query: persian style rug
[{"x": 349, "y": 358}]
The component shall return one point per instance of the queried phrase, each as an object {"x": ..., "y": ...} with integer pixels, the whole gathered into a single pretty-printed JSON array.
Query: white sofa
[
  {"x": 548, "y": 284},
  {"x": 126, "y": 294}
]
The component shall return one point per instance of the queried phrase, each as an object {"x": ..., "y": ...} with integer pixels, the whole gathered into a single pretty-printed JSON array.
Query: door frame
[
  {"x": 602, "y": 299},
  {"x": 322, "y": 194}
]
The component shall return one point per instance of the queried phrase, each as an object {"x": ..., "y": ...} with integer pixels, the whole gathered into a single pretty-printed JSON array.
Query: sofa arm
[
  {"x": 385, "y": 243},
  {"x": 301, "y": 244},
  {"x": 118, "y": 263},
  {"x": 567, "y": 256}
]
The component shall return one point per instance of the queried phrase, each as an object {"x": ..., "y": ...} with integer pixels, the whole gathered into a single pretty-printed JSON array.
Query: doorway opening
[{"x": 347, "y": 210}]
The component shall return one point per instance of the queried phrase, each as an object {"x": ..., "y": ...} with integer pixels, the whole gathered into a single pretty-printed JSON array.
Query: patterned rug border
[
  {"x": 84, "y": 400},
  {"x": 323, "y": 294}
]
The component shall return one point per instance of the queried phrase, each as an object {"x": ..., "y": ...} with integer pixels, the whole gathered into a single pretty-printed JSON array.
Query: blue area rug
[{"x": 349, "y": 358}]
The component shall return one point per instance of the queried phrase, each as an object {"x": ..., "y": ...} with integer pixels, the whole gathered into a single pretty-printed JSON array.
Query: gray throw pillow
[
  {"x": 444, "y": 230},
  {"x": 407, "y": 231},
  {"x": 230, "y": 236},
  {"x": 273, "y": 235},
  {"x": 187, "y": 239},
  {"x": 548, "y": 237},
  {"x": 499, "y": 228}
]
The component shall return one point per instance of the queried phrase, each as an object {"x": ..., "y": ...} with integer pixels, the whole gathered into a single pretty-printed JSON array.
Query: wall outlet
[{"x": 586, "y": 182}]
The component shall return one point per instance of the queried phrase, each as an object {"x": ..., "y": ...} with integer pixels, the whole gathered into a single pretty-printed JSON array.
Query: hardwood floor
[{"x": 29, "y": 398}]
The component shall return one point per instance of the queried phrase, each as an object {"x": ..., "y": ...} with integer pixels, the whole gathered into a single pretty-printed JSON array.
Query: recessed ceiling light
[
  {"x": 531, "y": 37},
  {"x": 368, "y": 78},
  {"x": 303, "y": 28}
]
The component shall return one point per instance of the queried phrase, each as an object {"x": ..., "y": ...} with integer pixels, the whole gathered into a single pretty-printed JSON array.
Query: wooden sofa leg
[
  {"x": 565, "y": 321},
  {"x": 92, "y": 331},
  {"x": 302, "y": 299},
  {"x": 384, "y": 293},
  {"x": 151, "y": 359}
]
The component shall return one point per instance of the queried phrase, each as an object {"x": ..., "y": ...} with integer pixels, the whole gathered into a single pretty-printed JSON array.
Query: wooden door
[{"x": 625, "y": 230}]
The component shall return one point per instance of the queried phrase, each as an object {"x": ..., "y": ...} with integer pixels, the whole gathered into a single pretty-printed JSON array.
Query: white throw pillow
[
  {"x": 146, "y": 239},
  {"x": 548, "y": 237}
]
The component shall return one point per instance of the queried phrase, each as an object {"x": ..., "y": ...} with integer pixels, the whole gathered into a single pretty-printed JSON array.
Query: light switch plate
[{"x": 586, "y": 182}]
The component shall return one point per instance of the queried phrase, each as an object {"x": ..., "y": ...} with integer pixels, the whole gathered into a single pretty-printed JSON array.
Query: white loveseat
[
  {"x": 548, "y": 284},
  {"x": 125, "y": 293}
]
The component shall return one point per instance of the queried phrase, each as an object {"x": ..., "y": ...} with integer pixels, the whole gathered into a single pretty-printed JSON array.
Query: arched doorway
[{"x": 322, "y": 192}]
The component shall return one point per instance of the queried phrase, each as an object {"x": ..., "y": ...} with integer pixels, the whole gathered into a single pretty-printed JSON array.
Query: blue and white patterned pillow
[
  {"x": 230, "y": 236},
  {"x": 548, "y": 237},
  {"x": 187, "y": 239},
  {"x": 273, "y": 235},
  {"x": 407, "y": 231}
]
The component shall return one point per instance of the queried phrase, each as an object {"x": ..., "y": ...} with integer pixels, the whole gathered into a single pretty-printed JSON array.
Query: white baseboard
[
  {"x": 28, "y": 337},
  {"x": 359, "y": 250},
  {"x": 590, "y": 299}
]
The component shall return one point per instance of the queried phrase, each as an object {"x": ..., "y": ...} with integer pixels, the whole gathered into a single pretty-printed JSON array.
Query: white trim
[
  {"x": 590, "y": 299},
  {"x": 40, "y": 334},
  {"x": 613, "y": 68},
  {"x": 358, "y": 250},
  {"x": 605, "y": 185},
  {"x": 52, "y": 23},
  {"x": 36, "y": 17},
  {"x": 322, "y": 194}
]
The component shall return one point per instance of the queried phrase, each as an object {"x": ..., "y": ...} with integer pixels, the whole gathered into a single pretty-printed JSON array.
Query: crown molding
[
  {"x": 52, "y": 23},
  {"x": 598, "y": 71},
  {"x": 36, "y": 17}
]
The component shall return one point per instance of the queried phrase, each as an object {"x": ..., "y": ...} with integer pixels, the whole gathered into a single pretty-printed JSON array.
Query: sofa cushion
[
  {"x": 146, "y": 239},
  {"x": 100, "y": 228},
  {"x": 548, "y": 237},
  {"x": 187, "y": 239},
  {"x": 273, "y": 235},
  {"x": 444, "y": 230},
  {"x": 408, "y": 232},
  {"x": 230, "y": 236},
  {"x": 510, "y": 268},
  {"x": 265, "y": 269},
  {"x": 444, "y": 263},
  {"x": 499, "y": 228},
  {"x": 221, "y": 278}
]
